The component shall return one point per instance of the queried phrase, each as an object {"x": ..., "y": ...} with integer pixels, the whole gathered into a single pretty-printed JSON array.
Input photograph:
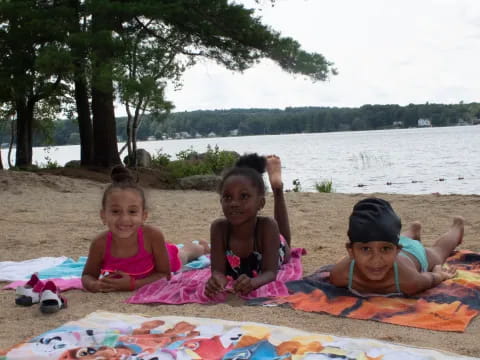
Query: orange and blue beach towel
[{"x": 448, "y": 307}]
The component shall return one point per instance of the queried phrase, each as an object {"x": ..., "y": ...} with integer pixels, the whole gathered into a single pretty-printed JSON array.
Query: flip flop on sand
[
  {"x": 29, "y": 294},
  {"x": 50, "y": 299}
]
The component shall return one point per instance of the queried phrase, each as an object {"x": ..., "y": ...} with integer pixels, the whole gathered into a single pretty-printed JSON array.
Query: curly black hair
[{"x": 251, "y": 166}]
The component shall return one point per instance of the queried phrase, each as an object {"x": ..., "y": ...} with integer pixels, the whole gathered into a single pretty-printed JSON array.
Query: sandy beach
[{"x": 47, "y": 215}]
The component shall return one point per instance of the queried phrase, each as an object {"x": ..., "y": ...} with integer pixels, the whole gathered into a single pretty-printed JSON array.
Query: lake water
[{"x": 412, "y": 161}]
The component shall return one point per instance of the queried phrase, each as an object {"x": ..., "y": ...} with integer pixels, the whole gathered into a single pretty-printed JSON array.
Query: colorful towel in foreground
[
  {"x": 448, "y": 307},
  {"x": 112, "y": 336},
  {"x": 189, "y": 287}
]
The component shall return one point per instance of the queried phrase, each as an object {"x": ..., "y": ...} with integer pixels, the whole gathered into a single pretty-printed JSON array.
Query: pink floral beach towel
[{"x": 188, "y": 287}]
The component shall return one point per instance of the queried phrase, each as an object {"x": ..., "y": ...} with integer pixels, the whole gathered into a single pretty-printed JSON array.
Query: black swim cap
[{"x": 373, "y": 219}]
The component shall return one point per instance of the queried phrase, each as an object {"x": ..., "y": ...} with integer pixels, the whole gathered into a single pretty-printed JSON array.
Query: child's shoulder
[
  {"x": 340, "y": 272},
  {"x": 219, "y": 224},
  {"x": 151, "y": 231},
  {"x": 266, "y": 221},
  {"x": 99, "y": 241}
]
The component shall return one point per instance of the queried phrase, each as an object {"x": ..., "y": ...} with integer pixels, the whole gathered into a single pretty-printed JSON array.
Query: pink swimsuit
[{"x": 141, "y": 264}]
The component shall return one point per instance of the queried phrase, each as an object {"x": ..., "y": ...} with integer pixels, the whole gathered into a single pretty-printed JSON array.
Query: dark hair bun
[
  {"x": 253, "y": 161},
  {"x": 120, "y": 174}
]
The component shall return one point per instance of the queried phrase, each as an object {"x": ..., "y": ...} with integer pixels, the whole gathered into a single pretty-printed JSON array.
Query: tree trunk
[
  {"x": 105, "y": 151},
  {"x": 23, "y": 156},
  {"x": 130, "y": 156},
  {"x": 104, "y": 129},
  {"x": 84, "y": 121},
  {"x": 10, "y": 145},
  {"x": 85, "y": 127}
]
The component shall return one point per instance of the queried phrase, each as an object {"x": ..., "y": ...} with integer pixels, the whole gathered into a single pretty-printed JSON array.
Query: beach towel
[
  {"x": 19, "y": 270},
  {"x": 66, "y": 274},
  {"x": 61, "y": 284},
  {"x": 449, "y": 306},
  {"x": 106, "y": 335},
  {"x": 189, "y": 287}
]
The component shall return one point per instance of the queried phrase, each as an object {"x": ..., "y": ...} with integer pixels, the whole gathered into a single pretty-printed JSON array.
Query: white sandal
[
  {"x": 50, "y": 299},
  {"x": 29, "y": 294}
]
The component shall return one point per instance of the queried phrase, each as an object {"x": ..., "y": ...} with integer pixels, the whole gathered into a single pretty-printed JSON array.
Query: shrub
[
  {"x": 217, "y": 160},
  {"x": 325, "y": 186},
  {"x": 160, "y": 159},
  {"x": 191, "y": 163},
  {"x": 188, "y": 154},
  {"x": 184, "y": 168}
]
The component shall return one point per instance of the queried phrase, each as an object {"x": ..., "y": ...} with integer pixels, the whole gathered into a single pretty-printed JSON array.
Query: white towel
[{"x": 20, "y": 270}]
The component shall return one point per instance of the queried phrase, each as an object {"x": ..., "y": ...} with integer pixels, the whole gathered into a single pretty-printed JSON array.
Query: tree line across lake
[{"x": 269, "y": 121}]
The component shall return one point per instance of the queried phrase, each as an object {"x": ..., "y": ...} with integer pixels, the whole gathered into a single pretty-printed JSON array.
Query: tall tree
[
  {"x": 43, "y": 43},
  {"x": 32, "y": 62},
  {"x": 78, "y": 42},
  {"x": 143, "y": 74},
  {"x": 216, "y": 29}
]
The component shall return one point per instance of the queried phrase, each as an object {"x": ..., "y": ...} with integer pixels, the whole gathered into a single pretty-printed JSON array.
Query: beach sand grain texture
[{"x": 47, "y": 215}]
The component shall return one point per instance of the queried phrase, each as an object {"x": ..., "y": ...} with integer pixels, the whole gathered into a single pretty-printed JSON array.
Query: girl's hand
[
  {"x": 244, "y": 285},
  {"x": 446, "y": 273},
  {"x": 100, "y": 286},
  {"x": 215, "y": 285},
  {"x": 116, "y": 281}
]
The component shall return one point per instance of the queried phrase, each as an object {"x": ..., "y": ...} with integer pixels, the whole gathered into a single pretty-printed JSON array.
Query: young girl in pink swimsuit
[{"x": 131, "y": 254}]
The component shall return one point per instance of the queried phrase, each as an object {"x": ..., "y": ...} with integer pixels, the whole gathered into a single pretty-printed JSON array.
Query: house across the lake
[{"x": 424, "y": 122}]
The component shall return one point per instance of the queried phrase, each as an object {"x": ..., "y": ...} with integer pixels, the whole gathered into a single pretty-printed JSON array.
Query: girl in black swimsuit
[{"x": 247, "y": 247}]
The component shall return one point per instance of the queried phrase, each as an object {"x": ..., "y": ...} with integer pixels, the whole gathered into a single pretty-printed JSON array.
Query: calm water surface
[{"x": 412, "y": 161}]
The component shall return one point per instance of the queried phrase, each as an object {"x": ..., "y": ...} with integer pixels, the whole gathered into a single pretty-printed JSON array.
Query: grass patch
[{"x": 325, "y": 186}]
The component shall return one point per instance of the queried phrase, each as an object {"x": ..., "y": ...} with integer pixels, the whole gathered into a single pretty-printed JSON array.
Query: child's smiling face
[
  {"x": 240, "y": 199},
  {"x": 123, "y": 213},
  {"x": 374, "y": 259}
]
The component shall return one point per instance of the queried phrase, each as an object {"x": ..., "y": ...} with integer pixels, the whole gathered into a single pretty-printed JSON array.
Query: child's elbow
[{"x": 413, "y": 288}]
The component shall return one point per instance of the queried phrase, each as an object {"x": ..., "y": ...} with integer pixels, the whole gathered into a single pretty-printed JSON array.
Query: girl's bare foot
[
  {"x": 457, "y": 226},
  {"x": 414, "y": 231},
  {"x": 192, "y": 250},
  {"x": 205, "y": 245},
  {"x": 274, "y": 171}
]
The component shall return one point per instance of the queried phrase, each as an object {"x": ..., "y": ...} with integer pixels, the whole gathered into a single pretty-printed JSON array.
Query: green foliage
[
  {"x": 190, "y": 162},
  {"x": 325, "y": 186},
  {"x": 217, "y": 160},
  {"x": 127, "y": 50},
  {"x": 160, "y": 159},
  {"x": 184, "y": 168},
  {"x": 297, "y": 187},
  {"x": 273, "y": 121},
  {"x": 188, "y": 154}
]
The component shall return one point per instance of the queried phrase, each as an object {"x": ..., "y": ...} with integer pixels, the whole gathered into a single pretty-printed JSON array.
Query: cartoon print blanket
[
  {"x": 112, "y": 336},
  {"x": 189, "y": 287},
  {"x": 448, "y": 307}
]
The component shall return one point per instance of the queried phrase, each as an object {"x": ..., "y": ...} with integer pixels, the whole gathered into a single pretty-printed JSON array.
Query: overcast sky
[{"x": 386, "y": 52}]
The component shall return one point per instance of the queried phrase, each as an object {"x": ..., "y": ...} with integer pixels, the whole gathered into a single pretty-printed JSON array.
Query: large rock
[
  {"x": 144, "y": 159},
  {"x": 73, "y": 164},
  {"x": 200, "y": 182}
]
